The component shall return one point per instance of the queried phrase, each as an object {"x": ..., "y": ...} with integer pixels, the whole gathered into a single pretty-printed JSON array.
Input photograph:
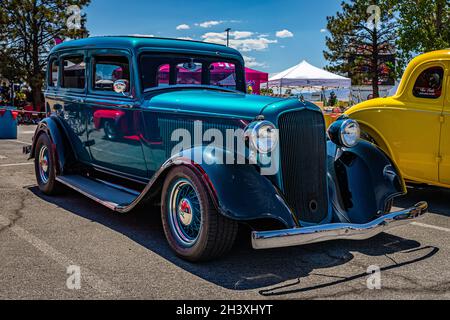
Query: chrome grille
[{"x": 303, "y": 163}]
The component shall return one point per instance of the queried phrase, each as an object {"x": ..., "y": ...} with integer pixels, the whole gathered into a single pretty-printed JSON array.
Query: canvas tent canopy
[{"x": 307, "y": 75}]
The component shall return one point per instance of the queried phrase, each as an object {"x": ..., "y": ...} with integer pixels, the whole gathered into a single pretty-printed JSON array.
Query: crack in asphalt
[{"x": 16, "y": 214}]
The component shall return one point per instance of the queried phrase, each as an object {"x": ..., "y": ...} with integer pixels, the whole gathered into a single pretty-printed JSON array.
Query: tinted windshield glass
[{"x": 168, "y": 70}]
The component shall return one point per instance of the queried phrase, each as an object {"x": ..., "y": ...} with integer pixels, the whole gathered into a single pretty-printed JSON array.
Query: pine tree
[
  {"x": 27, "y": 32},
  {"x": 360, "y": 35}
]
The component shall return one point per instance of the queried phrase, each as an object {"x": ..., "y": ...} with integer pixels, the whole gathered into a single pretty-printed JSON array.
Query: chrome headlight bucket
[
  {"x": 345, "y": 133},
  {"x": 262, "y": 136}
]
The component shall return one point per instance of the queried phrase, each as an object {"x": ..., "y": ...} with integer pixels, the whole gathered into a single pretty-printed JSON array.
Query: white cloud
[
  {"x": 142, "y": 35},
  {"x": 284, "y": 34},
  {"x": 183, "y": 27},
  {"x": 240, "y": 40},
  {"x": 209, "y": 24},
  {"x": 252, "y": 63},
  {"x": 323, "y": 30},
  {"x": 214, "y": 35},
  {"x": 185, "y": 38},
  {"x": 233, "y": 35},
  {"x": 241, "y": 34}
]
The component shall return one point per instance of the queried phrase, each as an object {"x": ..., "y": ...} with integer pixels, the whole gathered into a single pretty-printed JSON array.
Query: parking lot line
[
  {"x": 18, "y": 141},
  {"x": 17, "y": 164},
  {"x": 87, "y": 276},
  {"x": 429, "y": 226}
]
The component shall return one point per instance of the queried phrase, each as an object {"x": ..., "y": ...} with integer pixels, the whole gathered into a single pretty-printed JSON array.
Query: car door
[
  {"x": 418, "y": 125},
  {"x": 67, "y": 98},
  {"x": 444, "y": 165},
  {"x": 114, "y": 122}
]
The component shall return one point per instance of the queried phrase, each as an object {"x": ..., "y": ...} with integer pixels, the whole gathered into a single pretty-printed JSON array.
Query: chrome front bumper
[{"x": 346, "y": 231}]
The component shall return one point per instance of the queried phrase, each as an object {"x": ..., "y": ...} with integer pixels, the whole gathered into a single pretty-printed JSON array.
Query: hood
[
  {"x": 207, "y": 101},
  {"x": 374, "y": 103}
]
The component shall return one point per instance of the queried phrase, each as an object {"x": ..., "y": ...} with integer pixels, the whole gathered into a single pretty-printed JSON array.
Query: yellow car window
[{"x": 429, "y": 83}]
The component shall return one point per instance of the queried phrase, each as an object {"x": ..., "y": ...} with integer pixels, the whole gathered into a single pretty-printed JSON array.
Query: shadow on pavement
[
  {"x": 437, "y": 198},
  {"x": 244, "y": 268}
]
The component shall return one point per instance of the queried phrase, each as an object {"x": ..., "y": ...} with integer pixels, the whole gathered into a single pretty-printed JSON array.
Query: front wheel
[{"x": 192, "y": 225}]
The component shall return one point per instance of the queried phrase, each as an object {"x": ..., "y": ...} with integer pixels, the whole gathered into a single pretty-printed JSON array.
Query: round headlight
[
  {"x": 350, "y": 133},
  {"x": 262, "y": 136}
]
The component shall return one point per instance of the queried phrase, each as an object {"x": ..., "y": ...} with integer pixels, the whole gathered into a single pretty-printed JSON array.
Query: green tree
[
  {"x": 360, "y": 35},
  {"x": 424, "y": 25},
  {"x": 27, "y": 32}
]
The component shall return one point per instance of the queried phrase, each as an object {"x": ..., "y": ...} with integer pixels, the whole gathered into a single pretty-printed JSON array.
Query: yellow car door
[
  {"x": 419, "y": 127},
  {"x": 444, "y": 167}
]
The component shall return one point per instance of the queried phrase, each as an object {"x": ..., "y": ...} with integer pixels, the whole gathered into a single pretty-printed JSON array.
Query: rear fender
[{"x": 60, "y": 144}]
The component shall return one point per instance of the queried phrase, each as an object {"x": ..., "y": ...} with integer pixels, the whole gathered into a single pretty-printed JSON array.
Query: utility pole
[{"x": 228, "y": 36}]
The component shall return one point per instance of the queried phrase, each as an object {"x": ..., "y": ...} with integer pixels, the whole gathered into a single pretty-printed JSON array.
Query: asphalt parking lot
[{"x": 126, "y": 256}]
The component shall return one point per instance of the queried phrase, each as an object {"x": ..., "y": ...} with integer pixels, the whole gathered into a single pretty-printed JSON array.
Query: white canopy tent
[{"x": 307, "y": 75}]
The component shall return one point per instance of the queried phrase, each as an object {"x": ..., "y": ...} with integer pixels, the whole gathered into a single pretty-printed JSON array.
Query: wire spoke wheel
[
  {"x": 185, "y": 217},
  {"x": 44, "y": 164},
  {"x": 193, "y": 226}
]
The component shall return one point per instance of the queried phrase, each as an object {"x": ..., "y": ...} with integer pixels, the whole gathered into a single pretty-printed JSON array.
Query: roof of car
[
  {"x": 137, "y": 42},
  {"x": 433, "y": 55},
  {"x": 440, "y": 55}
]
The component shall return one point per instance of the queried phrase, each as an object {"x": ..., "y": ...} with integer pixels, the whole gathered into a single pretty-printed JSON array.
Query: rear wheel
[
  {"x": 44, "y": 166},
  {"x": 192, "y": 225}
]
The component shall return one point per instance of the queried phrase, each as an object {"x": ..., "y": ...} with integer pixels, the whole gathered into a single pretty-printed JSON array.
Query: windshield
[{"x": 159, "y": 70}]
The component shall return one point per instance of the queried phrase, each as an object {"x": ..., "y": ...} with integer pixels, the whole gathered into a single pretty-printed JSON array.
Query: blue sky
[{"x": 272, "y": 35}]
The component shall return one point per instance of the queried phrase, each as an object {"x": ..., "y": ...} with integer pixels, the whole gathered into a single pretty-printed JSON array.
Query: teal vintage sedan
[{"x": 135, "y": 121}]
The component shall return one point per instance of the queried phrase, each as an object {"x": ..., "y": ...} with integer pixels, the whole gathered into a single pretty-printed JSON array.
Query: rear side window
[
  {"x": 429, "y": 83},
  {"x": 74, "y": 72},
  {"x": 53, "y": 73},
  {"x": 108, "y": 69}
]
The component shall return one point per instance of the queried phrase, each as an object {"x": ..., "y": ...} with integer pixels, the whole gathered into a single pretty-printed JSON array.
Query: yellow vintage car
[{"x": 413, "y": 126}]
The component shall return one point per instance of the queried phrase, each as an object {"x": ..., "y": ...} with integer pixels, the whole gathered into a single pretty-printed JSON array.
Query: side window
[
  {"x": 74, "y": 72},
  {"x": 429, "y": 83},
  {"x": 108, "y": 69},
  {"x": 53, "y": 75}
]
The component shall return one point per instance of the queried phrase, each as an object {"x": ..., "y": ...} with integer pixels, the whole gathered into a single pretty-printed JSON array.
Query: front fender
[
  {"x": 363, "y": 180},
  {"x": 241, "y": 193}
]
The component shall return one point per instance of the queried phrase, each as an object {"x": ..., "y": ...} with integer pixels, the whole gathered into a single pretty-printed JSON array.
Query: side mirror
[{"x": 121, "y": 86}]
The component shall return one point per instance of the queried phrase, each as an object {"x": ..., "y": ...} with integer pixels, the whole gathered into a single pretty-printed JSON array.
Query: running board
[{"x": 111, "y": 196}]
